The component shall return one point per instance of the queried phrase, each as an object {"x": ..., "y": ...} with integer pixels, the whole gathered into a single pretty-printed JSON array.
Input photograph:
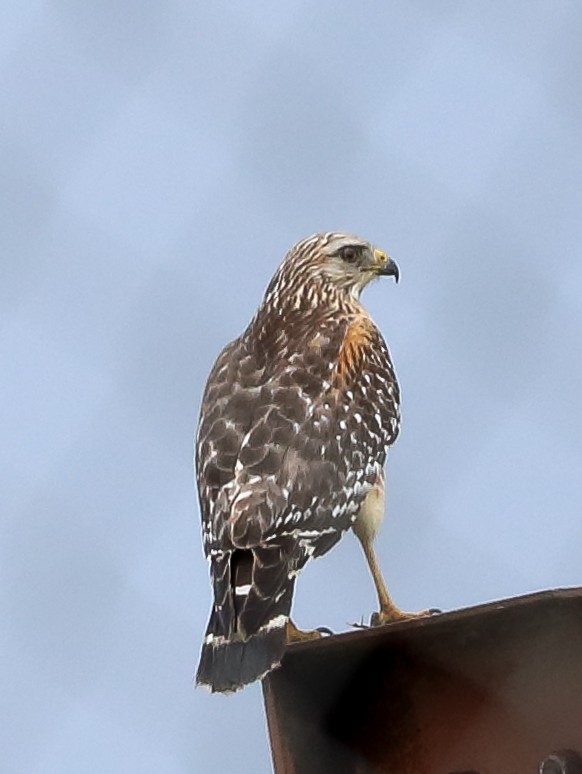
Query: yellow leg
[
  {"x": 366, "y": 528},
  {"x": 388, "y": 612},
  {"x": 297, "y": 635}
]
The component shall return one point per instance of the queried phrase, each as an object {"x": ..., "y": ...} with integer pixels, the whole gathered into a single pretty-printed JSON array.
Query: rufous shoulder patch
[{"x": 357, "y": 340}]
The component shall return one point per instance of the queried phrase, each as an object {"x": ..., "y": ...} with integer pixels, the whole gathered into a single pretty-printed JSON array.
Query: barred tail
[
  {"x": 228, "y": 664},
  {"x": 246, "y": 633}
]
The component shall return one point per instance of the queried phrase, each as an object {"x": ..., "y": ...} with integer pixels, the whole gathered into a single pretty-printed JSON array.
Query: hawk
[{"x": 296, "y": 420}]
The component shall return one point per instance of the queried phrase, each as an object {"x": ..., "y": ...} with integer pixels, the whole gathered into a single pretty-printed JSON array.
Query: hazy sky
[{"x": 156, "y": 161}]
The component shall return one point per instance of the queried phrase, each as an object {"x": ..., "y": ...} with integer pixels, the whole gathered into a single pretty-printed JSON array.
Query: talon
[
  {"x": 393, "y": 614},
  {"x": 324, "y": 631},
  {"x": 297, "y": 635},
  {"x": 377, "y": 619}
]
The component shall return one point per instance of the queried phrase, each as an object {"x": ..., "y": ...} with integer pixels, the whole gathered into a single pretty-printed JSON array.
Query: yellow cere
[{"x": 381, "y": 257}]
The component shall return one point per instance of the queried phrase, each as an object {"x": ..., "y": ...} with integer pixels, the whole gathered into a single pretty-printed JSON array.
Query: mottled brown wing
[{"x": 289, "y": 444}]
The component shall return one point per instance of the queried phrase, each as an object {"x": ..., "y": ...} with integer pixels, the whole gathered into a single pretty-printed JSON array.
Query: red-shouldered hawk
[{"x": 295, "y": 423}]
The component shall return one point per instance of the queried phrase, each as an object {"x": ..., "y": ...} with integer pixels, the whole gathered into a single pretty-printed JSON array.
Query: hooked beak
[{"x": 385, "y": 266}]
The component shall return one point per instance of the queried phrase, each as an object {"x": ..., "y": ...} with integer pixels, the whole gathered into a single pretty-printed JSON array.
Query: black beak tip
[{"x": 391, "y": 270}]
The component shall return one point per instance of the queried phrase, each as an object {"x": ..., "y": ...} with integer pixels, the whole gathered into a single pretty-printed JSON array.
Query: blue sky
[{"x": 157, "y": 160}]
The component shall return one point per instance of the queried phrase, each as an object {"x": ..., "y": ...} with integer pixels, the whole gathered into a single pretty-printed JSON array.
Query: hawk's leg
[
  {"x": 366, "y": 528},
  {"x": 297, "y": 635},
  {"x": 388, "y": 612}
]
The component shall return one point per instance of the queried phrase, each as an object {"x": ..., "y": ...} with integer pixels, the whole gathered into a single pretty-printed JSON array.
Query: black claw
[
  {"x": 435, "y": 611},
  {"x": 324, "y": 630}
]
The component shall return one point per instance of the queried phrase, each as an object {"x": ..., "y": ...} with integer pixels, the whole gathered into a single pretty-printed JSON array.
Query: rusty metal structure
[{"x": 493, "y": 689}]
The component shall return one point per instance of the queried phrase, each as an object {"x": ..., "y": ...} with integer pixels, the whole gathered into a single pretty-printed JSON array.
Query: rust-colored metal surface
[{"x": 494, "y": 689}]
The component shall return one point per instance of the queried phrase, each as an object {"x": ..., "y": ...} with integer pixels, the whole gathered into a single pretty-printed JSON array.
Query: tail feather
[
  {"x": 229, "y": 664},
  {"x": 246, "y": 633}
]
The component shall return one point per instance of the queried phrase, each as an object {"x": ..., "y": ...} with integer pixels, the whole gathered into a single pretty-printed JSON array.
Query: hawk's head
[{"x": 332, "y": 262}]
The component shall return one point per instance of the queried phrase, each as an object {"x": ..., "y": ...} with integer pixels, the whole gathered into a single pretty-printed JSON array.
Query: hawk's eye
[{"x": 349, "y": 254}]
